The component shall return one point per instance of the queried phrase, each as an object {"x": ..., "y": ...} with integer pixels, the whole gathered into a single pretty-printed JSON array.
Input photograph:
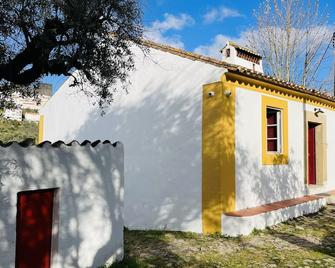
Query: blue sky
[{"x": 199, "y": 25}]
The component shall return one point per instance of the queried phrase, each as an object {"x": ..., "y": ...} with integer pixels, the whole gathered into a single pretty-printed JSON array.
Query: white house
[{"x": 207, "y": 141}]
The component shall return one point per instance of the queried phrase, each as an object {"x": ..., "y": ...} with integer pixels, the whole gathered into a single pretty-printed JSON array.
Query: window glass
[{"x": 273, "y": 128}]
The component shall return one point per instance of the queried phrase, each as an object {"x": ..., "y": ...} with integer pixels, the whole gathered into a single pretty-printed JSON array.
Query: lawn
[{"x": 307, "y": 241}]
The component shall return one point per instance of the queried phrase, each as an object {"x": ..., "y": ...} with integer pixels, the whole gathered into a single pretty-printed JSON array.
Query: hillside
[{"x": 17, "y": 130}]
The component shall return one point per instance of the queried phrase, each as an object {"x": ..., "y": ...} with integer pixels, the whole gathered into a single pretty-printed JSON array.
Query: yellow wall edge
[
  {"x": 218, "y": 154},
  {"x": 211, "y": 158},
  {"x": 41, "y": 129},
  {"x": 228, "y": 147}
]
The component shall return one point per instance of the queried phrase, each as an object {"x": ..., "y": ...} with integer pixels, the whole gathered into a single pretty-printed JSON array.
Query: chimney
[{"x": 235, "y": 54}]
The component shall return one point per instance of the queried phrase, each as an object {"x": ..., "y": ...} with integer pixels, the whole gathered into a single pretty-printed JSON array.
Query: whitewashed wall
[
  {"x": 258, "y": 184},
  {"x": 90, "y": 182},
  {"x": 159, "y": 122},
  {"x": 234, "y": 59}
]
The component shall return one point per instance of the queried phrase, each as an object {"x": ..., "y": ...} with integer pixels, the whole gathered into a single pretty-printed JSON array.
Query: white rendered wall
[
  {"x": 258, "y": 184},
  {"x": 234, "y": 59},
  {"x": 90, "y": 199},
  {"x": 159, "y": 122}
]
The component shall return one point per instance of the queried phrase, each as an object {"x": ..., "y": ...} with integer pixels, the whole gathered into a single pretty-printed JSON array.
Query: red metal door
[
  {"x": 311, "y": 154},
  {"x": 34, "y": 229}
]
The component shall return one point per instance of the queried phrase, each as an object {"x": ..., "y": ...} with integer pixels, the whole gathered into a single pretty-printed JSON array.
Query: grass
[
  {"x": 307, "y": 241},
  {"x": 11, "y": 130}
]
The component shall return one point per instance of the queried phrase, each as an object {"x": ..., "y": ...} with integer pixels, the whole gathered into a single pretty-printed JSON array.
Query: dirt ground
[{"x": 307, "y": 241}]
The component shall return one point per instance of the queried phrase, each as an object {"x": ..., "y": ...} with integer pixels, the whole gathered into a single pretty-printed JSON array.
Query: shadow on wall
[
  {"x": 89, "y": 208},
  {"x": 162, "y": 137},
  {"x": 262, "y": 184}
]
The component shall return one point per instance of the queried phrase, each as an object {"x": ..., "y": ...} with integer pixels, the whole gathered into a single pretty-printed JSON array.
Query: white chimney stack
[{"x": 235, "y": 54}]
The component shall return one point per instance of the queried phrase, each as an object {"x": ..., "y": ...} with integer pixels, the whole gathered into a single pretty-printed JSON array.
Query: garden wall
[{"x": 87, "y": 216}]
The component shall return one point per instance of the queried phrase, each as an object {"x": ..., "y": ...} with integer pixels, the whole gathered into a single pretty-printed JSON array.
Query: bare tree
[{"x": 293, "y": 36}]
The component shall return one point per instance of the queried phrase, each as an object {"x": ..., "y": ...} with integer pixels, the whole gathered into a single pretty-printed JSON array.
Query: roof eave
[{"x": 258, "y": 77}]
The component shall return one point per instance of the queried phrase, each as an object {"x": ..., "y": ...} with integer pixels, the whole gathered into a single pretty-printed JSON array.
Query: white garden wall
[
  {"x": 160, "y": 123},
  {"x": 90, "y": 199}
]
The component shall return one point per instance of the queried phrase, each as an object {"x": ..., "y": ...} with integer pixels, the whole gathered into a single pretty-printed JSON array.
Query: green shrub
[{"x": 11, "y": 130}]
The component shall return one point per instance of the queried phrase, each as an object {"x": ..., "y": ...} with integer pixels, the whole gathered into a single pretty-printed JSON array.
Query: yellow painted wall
[
  {"x": 218, "y": 154},
  {"x": 228, "y": 146},
  {"x": 218, "y": 140},
  {"x": 41, "y": 129}
]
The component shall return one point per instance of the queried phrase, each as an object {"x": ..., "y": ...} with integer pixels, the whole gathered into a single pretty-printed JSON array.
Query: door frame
[
  {"x": 311, "y": 141},
  {"x": 54, "y": 223},
  {"x": 320, "y": 147}
]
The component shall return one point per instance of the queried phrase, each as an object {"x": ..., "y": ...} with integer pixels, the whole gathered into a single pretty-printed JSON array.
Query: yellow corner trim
[
  {"x": 275, "y": 158},
  {"x": 218, "y": 154},
  {"x": 211, "y": 158},
  {"x": 41, "y": 129},
  {"x": 228, "y": 146}
]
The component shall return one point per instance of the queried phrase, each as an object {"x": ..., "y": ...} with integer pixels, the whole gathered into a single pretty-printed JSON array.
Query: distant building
[{"x": 28, "y": 108}]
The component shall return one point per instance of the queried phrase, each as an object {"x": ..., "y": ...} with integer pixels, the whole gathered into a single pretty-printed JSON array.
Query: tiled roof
[
  {"x": 280, "y": 82},
  {"x": 238, "y": 70},
  {"x": 183, "y": 53},
  {"x": 31, "y": 142}
]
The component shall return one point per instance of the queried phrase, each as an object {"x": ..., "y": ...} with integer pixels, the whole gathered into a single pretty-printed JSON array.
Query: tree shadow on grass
[
  {"x": 325, "y": 245},
  {"x": 145, "y": 248},
  {"x": 174, "y": 249}
]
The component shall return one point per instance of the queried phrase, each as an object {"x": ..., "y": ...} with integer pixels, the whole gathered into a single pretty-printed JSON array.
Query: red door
[
  {"x": 311, "y": 154},
  {"x": 33, "y": 229}
]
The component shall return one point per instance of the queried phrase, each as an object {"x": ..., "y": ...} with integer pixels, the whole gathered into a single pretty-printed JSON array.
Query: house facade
[{"x": 205, "y": 137}]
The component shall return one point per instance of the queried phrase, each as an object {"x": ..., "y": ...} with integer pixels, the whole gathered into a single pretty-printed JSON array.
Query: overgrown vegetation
[{"x": 11, "y": 130}]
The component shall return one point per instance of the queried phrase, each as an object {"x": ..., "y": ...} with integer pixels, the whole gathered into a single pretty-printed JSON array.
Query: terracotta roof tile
[{"x": 238, "y": 69}]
